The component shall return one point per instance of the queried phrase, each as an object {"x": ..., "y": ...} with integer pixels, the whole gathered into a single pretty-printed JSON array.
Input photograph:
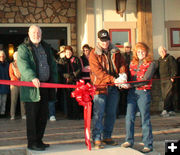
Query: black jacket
[
  {"x": 167, "y": 67},
  {"x": 71, "y": 69}
]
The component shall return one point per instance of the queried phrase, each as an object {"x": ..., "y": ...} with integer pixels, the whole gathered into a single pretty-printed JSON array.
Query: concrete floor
[{"x": 67, "y": 136}]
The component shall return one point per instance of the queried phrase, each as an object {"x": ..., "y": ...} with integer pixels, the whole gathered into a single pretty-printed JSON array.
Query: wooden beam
[
  {"x": 144, "y": 22},
  {"x": 90, "y": 23}
]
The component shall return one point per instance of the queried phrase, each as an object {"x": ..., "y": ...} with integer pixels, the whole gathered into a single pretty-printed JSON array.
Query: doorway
[{"x": 55, "y": 36}]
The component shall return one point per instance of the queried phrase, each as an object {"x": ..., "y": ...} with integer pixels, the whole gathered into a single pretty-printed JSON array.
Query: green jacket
[{"x": 28, "y": 67}]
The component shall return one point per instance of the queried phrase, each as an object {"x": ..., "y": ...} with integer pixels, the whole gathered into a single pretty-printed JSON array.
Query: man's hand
[{"x": 36, "y": 82}]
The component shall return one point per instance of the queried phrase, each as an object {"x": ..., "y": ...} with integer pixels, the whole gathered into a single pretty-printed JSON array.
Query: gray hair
[
  {"x": 32, "y": 26},
  {"x": 161, "y": 48},
  {"x": 1, "y": 51}
]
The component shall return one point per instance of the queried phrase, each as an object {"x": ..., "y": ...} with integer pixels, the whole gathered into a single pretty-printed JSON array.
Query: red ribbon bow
[{"x": 84, "y": 94}]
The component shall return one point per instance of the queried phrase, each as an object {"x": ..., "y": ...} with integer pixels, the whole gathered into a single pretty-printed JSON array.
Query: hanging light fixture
[
  {"x": 120, "y": 7},
  {"x": 10, "y": 50}
]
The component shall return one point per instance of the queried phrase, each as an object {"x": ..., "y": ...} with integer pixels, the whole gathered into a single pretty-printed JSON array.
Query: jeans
[
  {"x": 51, "y": 105},
  {"x": 139, "y": 99},
  {"x": 104, "y": 108}
]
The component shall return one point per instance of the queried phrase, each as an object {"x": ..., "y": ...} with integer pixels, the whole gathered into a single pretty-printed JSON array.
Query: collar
[{"x": 112, "y": 49}]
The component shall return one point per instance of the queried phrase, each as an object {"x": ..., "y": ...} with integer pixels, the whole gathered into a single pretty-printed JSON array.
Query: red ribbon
[
  {"x": 30, "y": 84},
  {"x": 84, "y": 95}
]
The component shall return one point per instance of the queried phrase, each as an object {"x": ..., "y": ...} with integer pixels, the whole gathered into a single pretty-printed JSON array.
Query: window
[
  {"x": 119, "y": 36},
  {"x": 175, "y": 37}
]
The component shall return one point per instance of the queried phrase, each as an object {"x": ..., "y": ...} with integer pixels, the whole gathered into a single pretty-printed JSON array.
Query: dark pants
[
  {"x": 167, "y": 90},
  {"x": 122, "y": 105},
  {"x": 74, "y": 111},
  {"x": 36, "y": 118},
  {"x": 168, "y": 102}
]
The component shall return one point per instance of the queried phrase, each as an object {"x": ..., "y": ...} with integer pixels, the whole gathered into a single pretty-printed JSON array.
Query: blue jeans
[
  {"x": 52, "y": 110},
  {"x": 104, "y": 108},
  {"x": 139, "y": 99}
]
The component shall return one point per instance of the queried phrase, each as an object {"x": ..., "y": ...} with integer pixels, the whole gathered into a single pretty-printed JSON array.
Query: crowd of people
[{"x": 104, "y": 66}]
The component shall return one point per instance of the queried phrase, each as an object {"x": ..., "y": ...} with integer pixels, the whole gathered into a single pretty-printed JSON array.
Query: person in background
[
  {"x": 61, "y": 53},
  {"x": 51, "y": 104},
  {"x": 61, "y": 93},
  {"x": 4, "y": 75},
  {"x": 61, "y": 58},
  {"x": 127, "y": 53},
  {"x": 85, "y": 63},
  {"x": 15, "y": 75},
  {"x": 167, "y": 71},
  {"x": 106, "y": 62},
  {"x": 141, "y": 68},
  {"x": 36, "y": 64},
  {"x": 53, "y": 95},
  {"x": 123, "y": 92},
  {"x": 71, "y": 73}
]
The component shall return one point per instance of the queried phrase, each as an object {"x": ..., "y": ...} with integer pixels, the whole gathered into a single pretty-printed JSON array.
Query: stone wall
[{"x": 40, "y": 11}]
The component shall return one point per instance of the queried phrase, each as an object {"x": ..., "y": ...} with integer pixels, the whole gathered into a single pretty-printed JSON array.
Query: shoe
[
  {"x": 36, "y": 148},
  {"x": 171, "y": 113},
  {"x": 98, "y": 144},
  {"x": 12, "y": 118},
  {"x": 165, "y": 113},
  {"x": 141, "y": 143},
  {"x": 109, "y": 141},
  {"x": 41, "y": 144},
  {"x": 138, "y": 114},
  {"x": 126, "y": 144},
  {"x": 146, "y": 150},
  {"x": 24, "y": 117},
  {"x": 52, "y": 118}
]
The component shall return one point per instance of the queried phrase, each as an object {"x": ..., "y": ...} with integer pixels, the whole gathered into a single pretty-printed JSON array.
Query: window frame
[
  {"x": 120, "y": 30},
  {"x": 171, "y": 37}
]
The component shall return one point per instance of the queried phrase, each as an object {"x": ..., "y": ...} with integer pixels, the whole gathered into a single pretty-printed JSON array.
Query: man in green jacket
[
  {"x": 167, "y": 72},
  {"x": 36, "y": 64}
]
